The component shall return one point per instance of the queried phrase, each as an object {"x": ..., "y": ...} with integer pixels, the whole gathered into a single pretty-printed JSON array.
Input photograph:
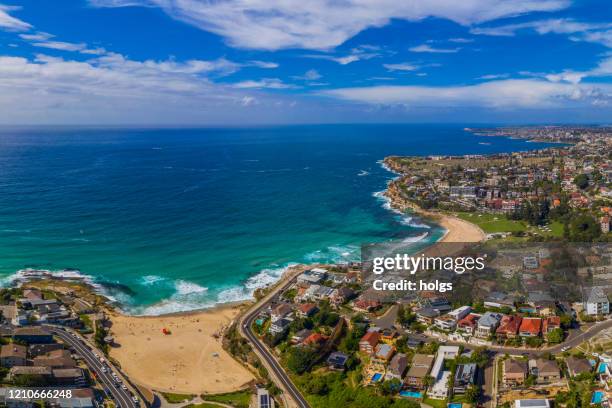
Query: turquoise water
[
  {"x": 455, "y": 405},
  {"x": 597, "y": 397},
  {"x": 602, "y": 368},
  {"x": 167, "y": 220},
  {"x": 411, "y": 394}
]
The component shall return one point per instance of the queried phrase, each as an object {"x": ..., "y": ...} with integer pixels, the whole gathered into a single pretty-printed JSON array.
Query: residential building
[
  {"x": 397, "y": 367},
  {"x": 499, "y": 300},
  {"x": 299, "y": 337},
  {"x": 69, "y": 377},
  {"x": 264, "y": 400},
  {"x": 469, "y": 323},
  {"x": 421, "y": 364},
  {"x": 368, "y": 342},
  {"x": 530, "y": 327},
  {"x": 546, "y": 371},
  {"x": 280, "y": 311},
  {"x": 445, "y": 322},
  {"x": 509, "y": 326},
  {"x": 532, "y": 403},
  {"x": 426, "y": 315},
  {"x": 460, "y": 312},
  {"x": 313, "y": 276},
  {"x": 576, "y": 366},
  {"x": 307, "y": 309},
  {"x": 12, "y": 355},
  {"x": 551, "y": 323},
  {"x": 32, "y": 335},
  {"x": 596, "y": 301},
  {"x": 465, "y": 376},
  {"x": 337, "y": 360},
  {"x": 279, "y": 326},
  {"x": 514, "y": 372},
  {"x": 487, "y": 324},
  {"x": 383, "y": 352}
]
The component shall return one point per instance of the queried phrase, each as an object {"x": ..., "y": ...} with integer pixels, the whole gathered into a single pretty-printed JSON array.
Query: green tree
[
  {"x": 555, "y": 336},
  {"x": 582, "y": 181}
]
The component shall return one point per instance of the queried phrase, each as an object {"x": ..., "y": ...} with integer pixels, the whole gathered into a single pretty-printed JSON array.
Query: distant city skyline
[{"x": 233, "y": 62}]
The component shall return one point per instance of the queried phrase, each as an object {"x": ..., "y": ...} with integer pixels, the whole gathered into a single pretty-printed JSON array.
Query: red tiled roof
[
  {"x": 551, "y": 322},
  {"x": 531, "y": 325},
  {"x": 469, "y": 320},
  {"x": 307, "y": 307},
  {"x": 509, "y": 324},
  {"x": 315, "y": 338},
  {"x": 370, "y": 337}
]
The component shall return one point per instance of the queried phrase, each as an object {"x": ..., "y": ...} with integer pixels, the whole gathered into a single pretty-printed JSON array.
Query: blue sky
[{"x": 231, "y": 62}]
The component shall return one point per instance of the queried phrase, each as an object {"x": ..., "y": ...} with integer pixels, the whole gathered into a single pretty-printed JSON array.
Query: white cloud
[
  {"x": 264, "y": 64},
  {"x": 502, "y": 94},
  {"x": 488, "y": 77},
  {"x": 428, "y": 48},
  {"x": 591, "y": 32},
  {"x": 461, "y": 40},
  {"x": 323, "y": 24},
  {"x": 363, "y": 52},
  {"x": 404, "y": 66},
  {"x": 39, "y": 36},
  {"x": 60, "y": 45},
  {"x": 11, "y": 23},
  {"x": 310, "y": 75},
  {"x": 268, "y": 83}
]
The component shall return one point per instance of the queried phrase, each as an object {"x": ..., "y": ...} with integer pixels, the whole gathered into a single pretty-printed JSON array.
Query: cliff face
[
  {"x": 396, "y": 198},
  {"x": 394, "y": 164}
]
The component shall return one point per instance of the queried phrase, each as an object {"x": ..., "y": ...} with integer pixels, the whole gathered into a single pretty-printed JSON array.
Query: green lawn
[
  {"x": 177, "y": 398},
  {"x": 239, "y": 399},
  {"x": 202, "y": 405},
  {"x": 491, "y": 223},
  {"x": 435, "y": 403}
]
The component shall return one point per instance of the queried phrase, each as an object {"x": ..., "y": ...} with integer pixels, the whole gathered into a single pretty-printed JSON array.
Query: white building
[
  {"x": 460, "y": 312},
  {"x": 263, "y": 399},
  {"x": 532, "y": 403},
  {"x": 596, "y": 301}
]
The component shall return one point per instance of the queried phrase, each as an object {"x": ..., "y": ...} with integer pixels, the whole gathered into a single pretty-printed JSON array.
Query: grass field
[
  {"x": 239, "y": 399},
  {"x": 173, "y": 398},
  {"x": 491, "y": 223}
]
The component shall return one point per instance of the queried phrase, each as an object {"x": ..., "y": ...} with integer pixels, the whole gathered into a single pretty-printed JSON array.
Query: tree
[
  {"x": 584, "y": 228},
  {"x": 582, "y": 181},
  {"x": 428, "y": 381},
  {"x": 555, "y": 336},
  {"x": 299, "y": 359},
  {"x": 472, "y": 393}
]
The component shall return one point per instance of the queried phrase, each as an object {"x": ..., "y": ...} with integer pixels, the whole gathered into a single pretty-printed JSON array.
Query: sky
[{"x": 242, "y": 62}]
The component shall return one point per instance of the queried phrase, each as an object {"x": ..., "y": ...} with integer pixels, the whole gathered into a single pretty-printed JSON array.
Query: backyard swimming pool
[
  {"x": 411, "y": 394},
  {"x": 454, "y": 405},
  {"x": 376, "y": 377},
  {"x": 602, "y": 368},
  {"x": 597, "y": 397}
]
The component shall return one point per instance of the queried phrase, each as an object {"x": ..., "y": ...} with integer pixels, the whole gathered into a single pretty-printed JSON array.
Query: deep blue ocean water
[{"x": 194, "y": 217}]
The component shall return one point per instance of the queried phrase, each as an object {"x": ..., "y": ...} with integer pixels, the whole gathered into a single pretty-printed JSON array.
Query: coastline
[{"x": 457, "y": 230}]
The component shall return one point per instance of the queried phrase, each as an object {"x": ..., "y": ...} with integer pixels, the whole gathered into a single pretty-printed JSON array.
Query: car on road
[{"x": 124, "y": 387}]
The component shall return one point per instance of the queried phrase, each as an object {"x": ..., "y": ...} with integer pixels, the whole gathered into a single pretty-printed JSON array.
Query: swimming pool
[
  {"x": 376, "y": 377},
  {"x": 602, "y": 368},
  {"x": 411, "y": 394},
  {"x": 454, "y": 405},
  {"x": 597, "y": 397}
]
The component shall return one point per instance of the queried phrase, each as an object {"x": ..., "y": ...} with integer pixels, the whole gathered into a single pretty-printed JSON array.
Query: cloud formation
[
  {"x": 323, "y": 24},
  {"x": 8, "y": 22}
]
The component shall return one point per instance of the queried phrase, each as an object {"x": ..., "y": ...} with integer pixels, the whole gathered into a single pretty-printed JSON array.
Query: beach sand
[
  {"x": 458, "y": 230},
  {"x": 190, "y": 360}
]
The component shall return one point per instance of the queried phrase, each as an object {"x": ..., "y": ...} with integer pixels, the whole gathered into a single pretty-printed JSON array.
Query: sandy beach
[
  {"x": 458, "y": 230},
  {"x": 189, "y": 360}
]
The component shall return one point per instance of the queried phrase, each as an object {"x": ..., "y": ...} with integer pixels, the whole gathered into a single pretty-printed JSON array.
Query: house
[
  {"x": 445, "y": 322},
  {"x": 312, "y": 276},
  {"x": 280, "y": 311},
  {"x": 530, "y": 327},
  {"x": 509, "y": 326},
  {"x": 35, "y": 350},
  {"x": 514, "y": 372},
  {"x": 55, "y": 359},
  {"x": 551, "y": 323},
  {"x": 12, "y": 355},
  {"x": 532, "y": 403},
  {"x": 595, "y": 301},
  {"x": 468, "y": 323},
  {"x": 29, "y": 371},
  {"x": 465, "y": 376},
  {"x": 342, "y": 295},
  {"x": 389, "y": 336},
  {"x": 317, "y": 292},
  {"x": 604, "y": 223},
  {"x": 32, "y": 335},
  {"x": 279, "y": 326},
  {"x": 576, "y": 366},
  {"x": 421, "y": 364},
  {"x": 426, "y": 315},
  {"x": 307, "y": 309},
  {"x": 366, "y": 305},
  {"x": 69, "y": 377},
  {"x": 315, "y": 339},
  {"x": 383, "y": 352},
  {"x": 264, "y": 400},
  {"x": 499, "y": 300},
  {"x": 546, "y": 371},
  {"x": 337, "y": 360},
  {"x": 460, "y": 312},
  {"x": 368, "y": 342},
  {"x": 487, "y": 324},
  {"x": 439, "y": 304},
  {"x": 299, "y": 337},
  {"x": 397, "y": 367}
]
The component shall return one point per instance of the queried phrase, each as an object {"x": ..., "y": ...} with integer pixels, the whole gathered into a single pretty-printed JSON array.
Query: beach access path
[{"x": 276, "y": 371}]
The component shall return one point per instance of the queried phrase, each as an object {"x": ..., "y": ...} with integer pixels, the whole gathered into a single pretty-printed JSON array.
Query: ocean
[{"x": 168, "y": 220}]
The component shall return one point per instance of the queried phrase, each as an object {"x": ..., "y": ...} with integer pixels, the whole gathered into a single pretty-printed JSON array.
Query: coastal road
[
  {"x": 121, "y": 396},
  {"x": 279, "y": 374}
]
